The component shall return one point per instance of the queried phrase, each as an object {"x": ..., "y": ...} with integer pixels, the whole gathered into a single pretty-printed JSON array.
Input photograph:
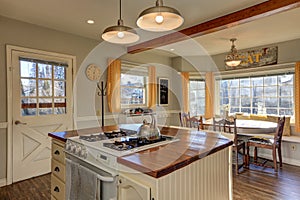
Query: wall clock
[{"x": 93, "y": 72}]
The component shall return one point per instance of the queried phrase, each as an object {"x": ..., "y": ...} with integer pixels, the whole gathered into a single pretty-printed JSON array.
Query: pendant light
[
  {"x": 120, "y": 34},
  {"x": 232, "y": 59},
  {"x": 159, "y": 18}
]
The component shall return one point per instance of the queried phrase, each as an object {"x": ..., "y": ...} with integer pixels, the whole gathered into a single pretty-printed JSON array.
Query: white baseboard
[
  {"x": 2, "y": 182},
  {"x": 289, "y": 161}
]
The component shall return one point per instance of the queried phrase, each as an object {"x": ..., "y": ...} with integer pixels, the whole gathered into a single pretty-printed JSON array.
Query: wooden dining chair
[
  {"x": 194, "y": 122},
  {"x": 229, "y": 126},
  {"x": 184, "y": 119},
  {"x": 264, "y": 143},
  {"x": 187, "y": 121}
]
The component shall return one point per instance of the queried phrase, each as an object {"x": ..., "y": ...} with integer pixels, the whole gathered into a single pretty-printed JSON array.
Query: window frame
[
  {"x": 135, "y": 69},
  {"x": 200, "y": 80},
  {"x": 145, "y": 89},
  {"x": 262, "y": 75}
]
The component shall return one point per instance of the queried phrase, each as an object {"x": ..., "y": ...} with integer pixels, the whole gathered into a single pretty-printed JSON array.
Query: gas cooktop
[
  {"x": 128, "y": 143},
  {"x": 107, "y": 135}
]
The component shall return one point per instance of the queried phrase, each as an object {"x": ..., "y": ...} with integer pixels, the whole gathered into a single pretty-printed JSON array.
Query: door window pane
[
  {"x": 45, "y": 88},
  {"x": 59, "y": 88},
  {"x": 59, "y": 72},
  {"x": 45, "y": 71},
  {"x": 28, "y": 87},
  {"x": 41, "y": 90},
  {"x": 28, "y": 69},
  {"x": 28, "y": 106}
]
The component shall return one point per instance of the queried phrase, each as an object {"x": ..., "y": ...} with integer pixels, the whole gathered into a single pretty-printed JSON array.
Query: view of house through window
[
  {"x": 197, "y": 97},
  {"x": 133, "y": 89},
  {"x": 43, "y": 87},
  {"x": 272, "y": 94}
]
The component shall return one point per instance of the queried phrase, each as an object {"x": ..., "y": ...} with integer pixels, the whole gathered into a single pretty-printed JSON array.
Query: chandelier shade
[
  {"x": 233, "y": 59},
  {"x": 120, "y": 34},
  {"x": 159, "y": 18}
]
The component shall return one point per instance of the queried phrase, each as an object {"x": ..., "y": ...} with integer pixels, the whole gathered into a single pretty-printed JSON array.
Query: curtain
[
  {"x": 152, "y": 87},
  {"x": 297, "y": 97},
  {"x": 185, "y": 78},
  {"x": 209, "y": 94},
  {"x": 114, "y": 85}
]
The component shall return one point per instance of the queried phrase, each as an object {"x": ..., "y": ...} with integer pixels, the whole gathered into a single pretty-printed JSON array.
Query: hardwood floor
[
  {"x": 37, "y": 188},
  {"x": 258, "y": 183},
  {"x": 254, "y": 184}
]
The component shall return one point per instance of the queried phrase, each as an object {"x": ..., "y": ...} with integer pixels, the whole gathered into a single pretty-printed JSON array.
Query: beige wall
[{"x": 27, "y": 35}]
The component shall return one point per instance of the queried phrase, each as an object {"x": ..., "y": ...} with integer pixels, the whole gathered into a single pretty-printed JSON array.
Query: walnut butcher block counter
[
  {"x": 192, "y": 146},
  {"x": 197, "y": 166}
]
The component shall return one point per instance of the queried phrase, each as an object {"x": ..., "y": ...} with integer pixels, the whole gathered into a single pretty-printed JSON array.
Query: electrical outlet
[{"x": 293, "y": 147}]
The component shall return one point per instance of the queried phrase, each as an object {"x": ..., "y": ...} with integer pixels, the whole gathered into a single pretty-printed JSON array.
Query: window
[
  {"x": 133, "y": 89},
  {"x": 271, "y": 94},
  {"x": 43, "y": 87},
  {"x": 197, "y": 97}
]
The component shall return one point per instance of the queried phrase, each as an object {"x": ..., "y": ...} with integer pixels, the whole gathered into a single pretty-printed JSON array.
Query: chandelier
[{"x": 232, "y": 59}]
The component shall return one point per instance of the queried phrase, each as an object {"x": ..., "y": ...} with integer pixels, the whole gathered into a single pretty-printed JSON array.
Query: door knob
[{"x": 19, "y": 122}]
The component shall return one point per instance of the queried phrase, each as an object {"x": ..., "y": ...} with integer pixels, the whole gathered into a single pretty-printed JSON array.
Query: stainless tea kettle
[{"x": 149, "y": 131}]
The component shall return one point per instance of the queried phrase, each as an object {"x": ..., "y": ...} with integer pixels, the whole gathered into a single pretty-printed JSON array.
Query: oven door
[
  {"x": 129, "y": 189},
  {"x": 106, "y": 187}
]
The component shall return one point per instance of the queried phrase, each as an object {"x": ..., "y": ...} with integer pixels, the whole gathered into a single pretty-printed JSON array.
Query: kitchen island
[{"x": 198, "y": 166}]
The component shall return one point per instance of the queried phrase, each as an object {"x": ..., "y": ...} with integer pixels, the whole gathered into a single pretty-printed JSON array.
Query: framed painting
[{"x": 163, "y": 91}]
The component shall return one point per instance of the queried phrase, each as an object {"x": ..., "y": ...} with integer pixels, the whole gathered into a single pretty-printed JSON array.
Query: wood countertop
[
  {"x": 159, "y": 161},
  {"x": 192, "y": 145}
]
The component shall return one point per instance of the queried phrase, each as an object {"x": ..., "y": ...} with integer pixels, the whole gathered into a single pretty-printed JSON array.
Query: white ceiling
[
  {"x": 273, "y": 29},
  {"x": 71, "y": 15}
]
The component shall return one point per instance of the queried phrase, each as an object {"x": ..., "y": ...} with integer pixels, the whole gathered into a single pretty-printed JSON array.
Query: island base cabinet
[
  {"x": 208, "y": 178},
  {"x": 131, "y": 189},
  {"x": 58, "y": 174}
]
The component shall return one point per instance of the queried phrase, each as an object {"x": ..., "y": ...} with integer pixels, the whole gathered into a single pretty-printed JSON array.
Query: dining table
[{"x": 249, "y": 126}]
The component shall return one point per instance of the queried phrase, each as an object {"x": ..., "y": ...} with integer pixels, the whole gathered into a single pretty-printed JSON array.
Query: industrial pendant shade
[
  {"x": 232, "y": 59},
  {"x": 120, "y": 34},
  {"x": 159, "y": 18}
]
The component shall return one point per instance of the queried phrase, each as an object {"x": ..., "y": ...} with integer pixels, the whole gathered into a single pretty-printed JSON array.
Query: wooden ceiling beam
[{"x": 249, "y": 14}]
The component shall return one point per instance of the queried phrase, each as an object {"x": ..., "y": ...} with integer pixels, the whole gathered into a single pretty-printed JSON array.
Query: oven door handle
[{"x": 105, "y": 178}]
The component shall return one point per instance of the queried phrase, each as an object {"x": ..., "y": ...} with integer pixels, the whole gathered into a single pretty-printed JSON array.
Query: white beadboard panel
[
  {"x": 3, "y": 125},
  {"x": 209, "y": 178},
  {"x": 2, "y": 182},
  {"x": 204, "y": 179}
]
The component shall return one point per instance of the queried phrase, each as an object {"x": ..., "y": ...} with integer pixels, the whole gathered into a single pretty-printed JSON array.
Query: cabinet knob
[
  {"x": 56, "y": 169},
  {"x": 56, "y": 152},
  {"x": 56, "y": 189}
]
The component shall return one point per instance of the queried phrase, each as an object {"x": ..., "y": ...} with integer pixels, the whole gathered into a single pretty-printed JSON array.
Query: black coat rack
[{"x": 102, "y": 93}]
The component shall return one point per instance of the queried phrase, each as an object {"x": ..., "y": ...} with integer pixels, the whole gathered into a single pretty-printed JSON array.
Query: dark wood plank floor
[
  {"x": 260, "y": 183},
  {"x": 37, "y": 188},
  {"x": 255, "y": 184}
]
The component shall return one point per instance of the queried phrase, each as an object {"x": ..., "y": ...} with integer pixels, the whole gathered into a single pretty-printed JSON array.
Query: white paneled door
[{"x": 41, "y": 103}]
